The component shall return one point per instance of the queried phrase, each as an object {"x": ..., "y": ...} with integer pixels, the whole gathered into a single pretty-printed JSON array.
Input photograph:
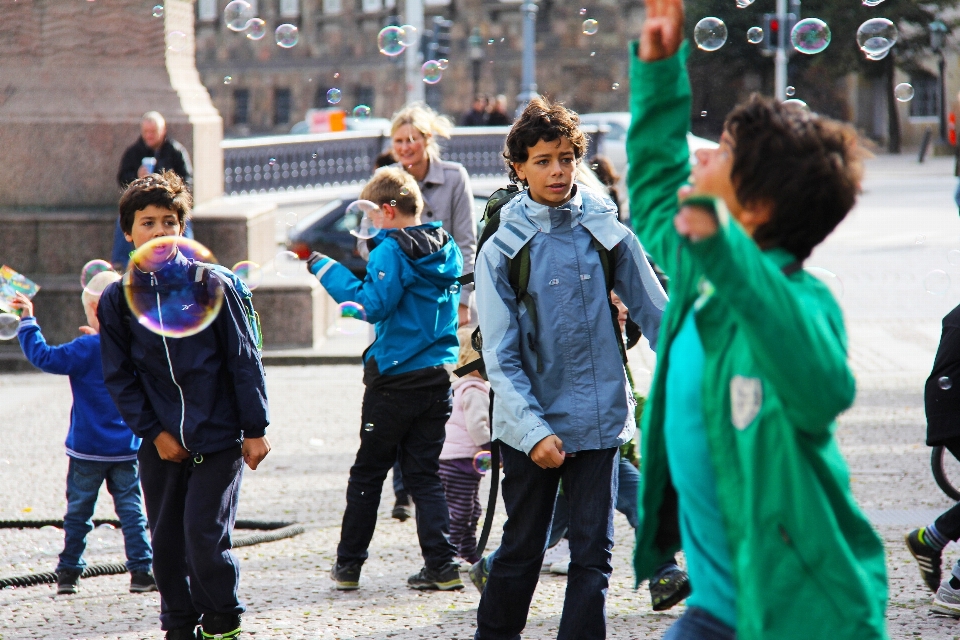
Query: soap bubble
[
  {"x": 256, "y": 29},
  {"x": 444, "y": 64},
  {"x": 91, "y": 269},
  {"x": 169, "y": 294},
  {"x": 790, "y": 91},
  {"x": 158, "y": 11},
  {"x": 710, "y": 34},
  {"x": 953, "y": 257},
  {"x": 615, "y": 86},
  {"x": 352, "y": 319},
  {"x": 583, "y": 11},
  {"x": 828, "y": 278},
  {"x": 404, "y": 191},
  {"x": 408, "y": 35},
  {"x": 876, "y": 36},
  {"x": 797, "y": 103},
  {"x": 287, "y": 35},
  {"x": 483, "y": 462},
  {"x": 945, "y": 383},
  {"x": 937, "y": 282},
  {"x": 810, "y": 36},
  {"x": 590, "y": 27},
  {"x": 9, "y": 325},
  {"x": 368, "y": 426},
  {"x": 249, "y": 272},
  {"x": 390, "y": 41},
  {"x": 904, "y": 92},
  {"x": 227, "y": 79},
  {"x": 363, "y": 218},
  {"x": 361, "y": 112},
  {"x": 431, "y": 72},
  {"x": 334, "y": 96},
  {"x": 237, "y": 14},
  {"x": 920, "y": 239},
  {"x": 743, "y": 4},
  {"x": 176, "y": 41},
  {"x": 288, "y": 265},
  {"x": 871, "y": 3},
  {"x": 454, "y": 288},
  {"x": 754, "y": 35},
  {"x": 703, "y": 114}
]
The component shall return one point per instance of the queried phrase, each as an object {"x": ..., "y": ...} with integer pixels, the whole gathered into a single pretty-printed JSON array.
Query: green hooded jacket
[{"x": 806, "y": 562}]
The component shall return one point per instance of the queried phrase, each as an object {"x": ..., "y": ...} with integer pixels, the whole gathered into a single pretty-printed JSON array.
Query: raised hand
[{"x": 662, "y": 31}]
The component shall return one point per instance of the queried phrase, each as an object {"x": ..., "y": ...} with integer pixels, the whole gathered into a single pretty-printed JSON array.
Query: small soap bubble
[
  {"x": 791, "y": 91},
  {"x": 454, "y": 288},
  {"x": 249, "y": 272},
  {"x": 593, "y": 53},
  {"x": 953, "y": 257},
  {"x": 444, "y": 64},
  {"x": 937, "y": 282},
  {"x": 404, "y": 191},
  {"x": 352, "y": 319},
  {"x": 287, "y": 36},
  {"x": 361, "y": 112},
  {"x": 390, "y": 41},
  {"x": 710, "y": 34},
  {"x": 9, "y": 325},
  {"x": 287, "y": 264},
  {"x": 237, "y": 14},
  {"x": 408, "y": 35},
  {"x": 106, "y": 526},
  {"x": 920, "y": 239},
  {"x": 91, "y": 269},
  {"x": 743, "y": 4},
  {"x": 176, "y": 41},
  {"x": 810, "y": 36},
  {"x": 431, "y": 72},
  {"x": 272, "y": 161},
  {"x": 828, "y": 278},
  {"x": 483, "y": 462},
  {"x": 158, "y": 11},
  {"x": 703, "y": 114},
  {"x": 754, "y": 35},
  {"x": 876, "y": 36},
  {"x": 903, "y": 92},
  {"x": 945, "y": 383},
  {"x": 333, "y": 97},
  {"x": 590, "y": 27},
  {"x": 490, "y": 41},
  {"x": 363, "y": 218},
  {"x": 393, "y": 203},
  {"x": 314, "y": 155},
  {"x": 291, "y": 218},
  {"x": 227, "y": 79},
  {"x": 615, "y": 86},
  {"x": 368, "y": 426},
  {"x": 871, "y": 3},
  {"x": 336, "y": 76},
  {"x": 187, "y": 299},
  {"x": 583, "y": 11},
  {"x": 256, "y": 29}
]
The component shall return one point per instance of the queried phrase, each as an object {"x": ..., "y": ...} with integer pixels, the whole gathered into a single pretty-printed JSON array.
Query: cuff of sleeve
[
  {"x": 535, "y": 435},
  {"x": 255, "y": 432},
  {"x": 151, "y": 434},
  {"x": 319, "y": 265},
  {"x": 659, "y": 69},
  {"x": 28, "y": 321}
]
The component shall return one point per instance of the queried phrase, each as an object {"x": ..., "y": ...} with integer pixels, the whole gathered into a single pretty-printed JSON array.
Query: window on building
[
  {"x": 241, "y": 106},
  {"x": 926, "y": 99},
  {"x": 371, "y": 6},
  {"x": 289, "y": 8},
  {"x": 332, "y": 7},
  {"x": 207, "y": 10},
  {"x": 281, "y": 106}
]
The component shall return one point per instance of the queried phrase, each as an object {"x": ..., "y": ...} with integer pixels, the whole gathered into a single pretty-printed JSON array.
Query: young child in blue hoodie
[
  {"x": 411, "y": 296},
  {"x": 100, "y": 446}
]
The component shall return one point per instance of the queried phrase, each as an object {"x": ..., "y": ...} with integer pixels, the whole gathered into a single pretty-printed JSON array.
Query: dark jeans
[
  {"x": 529, "y": 494},
  {"x": 697, "y": 624},
  {"x": 408, "y": 426},
  {"x": 84, "y": 479},
  {"x": 948, "y": 524},
  {"x": 192, "y": 506}
]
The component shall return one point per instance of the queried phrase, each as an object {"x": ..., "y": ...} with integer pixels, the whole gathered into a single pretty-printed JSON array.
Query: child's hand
[
  {"x": 24, "y": 304},
  {"x": 169, "y": 448},
  {"x": 255, "y": 450},
  {"x": 88, "y": 331},
  {"x": 695, "y": 222},
  {"x": 548, "y": 453},
  {"x": 662, "y": 30}
]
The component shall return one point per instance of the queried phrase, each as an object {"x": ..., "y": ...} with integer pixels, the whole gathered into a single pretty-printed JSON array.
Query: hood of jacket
[{"x": 431, "y": 252}]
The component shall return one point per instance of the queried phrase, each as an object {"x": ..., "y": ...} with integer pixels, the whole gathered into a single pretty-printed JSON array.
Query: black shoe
[
  {"x": 183, "y": 633},
  {"x": 669, "y": 589},
  {"x": 142, "y": 582},
  {"x": 927, "y": 557},
  {"x": 402, "y": 510},
  {"x": 347, "y": 576},
  {"x": 446, "y": 578},
  {"x": 68, "y": 581},
  {"x": 225, "y": 626}
]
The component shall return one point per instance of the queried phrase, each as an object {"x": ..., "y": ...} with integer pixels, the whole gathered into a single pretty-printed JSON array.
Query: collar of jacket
[
  {"x": 434, "y": 172},
  {"x": 523, "y": 218},
  {"x": 175, "y": 269}
]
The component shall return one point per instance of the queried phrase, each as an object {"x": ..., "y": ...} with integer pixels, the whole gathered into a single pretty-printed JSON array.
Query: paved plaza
[{"x": 904, "y": 229}]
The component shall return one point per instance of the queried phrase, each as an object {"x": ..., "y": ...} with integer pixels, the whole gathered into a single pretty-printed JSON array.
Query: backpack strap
[
  {"x": 608, "y": 263},
  {"x": 519, "y": 275}
]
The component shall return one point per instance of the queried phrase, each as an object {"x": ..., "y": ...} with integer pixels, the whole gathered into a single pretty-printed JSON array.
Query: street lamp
[
  {"x": 938, "y": 37},
  {"x": 475, "y": 43},
  {"x": 528, "y": 84}
]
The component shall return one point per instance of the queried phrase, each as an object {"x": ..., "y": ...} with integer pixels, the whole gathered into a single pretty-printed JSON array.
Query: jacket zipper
[{"x": 183, "y": 404}]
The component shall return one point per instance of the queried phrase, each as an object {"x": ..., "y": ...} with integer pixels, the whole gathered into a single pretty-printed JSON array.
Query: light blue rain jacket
[{"x": 582, "y": 394}]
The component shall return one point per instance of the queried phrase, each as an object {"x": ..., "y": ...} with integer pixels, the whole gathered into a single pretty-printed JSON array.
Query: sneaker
[
  {"x": 219, "y": 626},
  {"x": 446, "y": 578},
  {"x": 947, "y": 600},
  {"x": 347, "y": 576},
  {"x": 562, "y": 568},
  {"x": 142, "y": 582},
  {"x": 68, "y": 581},
  {"x": 669, "y": 589},
  {"x": 402, "y": 511},
  {"x": 927, "y": 557},
  {"x": 183, "y": 633},
  {"x": 559, "y": 552},
  {"x": 479, "y": 573}
]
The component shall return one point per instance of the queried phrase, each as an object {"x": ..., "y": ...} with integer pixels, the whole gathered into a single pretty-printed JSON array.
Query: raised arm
[{"x": 378, "y": 293}]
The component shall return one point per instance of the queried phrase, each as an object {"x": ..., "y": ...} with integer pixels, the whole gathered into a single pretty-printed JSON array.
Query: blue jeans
[
  {"x": 697, "y": 624},
  {"x": 529, "y": 494},
  {"x": 84, "y": 478}
]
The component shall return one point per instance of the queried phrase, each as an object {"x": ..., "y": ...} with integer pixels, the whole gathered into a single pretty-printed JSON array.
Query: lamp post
[
  {"x": 475, "y": 44},
  {"x": 528, "y": 84},
  {"x": 938, "y": 37}
]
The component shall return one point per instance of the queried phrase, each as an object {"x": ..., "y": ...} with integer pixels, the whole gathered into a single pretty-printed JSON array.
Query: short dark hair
[
  {"x": 807, "y": 166},
  {"x": 165, "y": 190},
  {"x": 544, "y": 120}
]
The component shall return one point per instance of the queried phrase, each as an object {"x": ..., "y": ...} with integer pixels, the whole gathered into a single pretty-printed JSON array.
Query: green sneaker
[
  {"x": 669, "y": 588},
  {"x": 479, "y": 573},
  {"x": 447, "y": 578},
  {"x": 347, "y": 576},
  {"x": 219, "y": 626}
]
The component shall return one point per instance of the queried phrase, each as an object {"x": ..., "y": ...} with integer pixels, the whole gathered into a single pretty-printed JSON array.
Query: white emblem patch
[
  {"x": 380, "y": 275},
  {"x": 746, "y": 398}
]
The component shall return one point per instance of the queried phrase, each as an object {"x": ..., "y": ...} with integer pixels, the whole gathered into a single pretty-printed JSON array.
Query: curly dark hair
[
  {"x": 542, "y": 120},
  {"x": 165, "y": 190},
  {"x": 809, "y": 167}
]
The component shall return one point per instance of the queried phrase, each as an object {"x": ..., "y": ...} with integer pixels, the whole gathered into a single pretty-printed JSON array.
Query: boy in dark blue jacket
[
  {"x": 411, "y": 295},
  {"x": 200, "y": 404},
  {"x": 99, "y": 444}
]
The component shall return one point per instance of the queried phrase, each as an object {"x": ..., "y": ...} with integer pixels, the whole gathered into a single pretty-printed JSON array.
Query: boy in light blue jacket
[
  {"x": 100, "y": 446},
  {"x": 562, "y": 404}
]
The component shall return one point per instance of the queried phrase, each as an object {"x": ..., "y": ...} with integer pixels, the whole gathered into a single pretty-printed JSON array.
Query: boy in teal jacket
[{"x": 739, "y": 458}]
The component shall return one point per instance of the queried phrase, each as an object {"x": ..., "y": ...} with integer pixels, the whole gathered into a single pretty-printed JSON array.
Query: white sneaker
[
  {"x": 947, "y": 600},
  {"x": 559, "y": 552},
  {"x": 562, "y": 567}
]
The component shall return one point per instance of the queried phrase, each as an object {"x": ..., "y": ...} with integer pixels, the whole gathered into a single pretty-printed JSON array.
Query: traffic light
[
  {"x": 772, "y": 28},
  {"x": 441, "y": 33}
]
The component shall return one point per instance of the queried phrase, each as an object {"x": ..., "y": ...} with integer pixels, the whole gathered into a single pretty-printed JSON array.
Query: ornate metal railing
[{"x": 285, "y": 163}]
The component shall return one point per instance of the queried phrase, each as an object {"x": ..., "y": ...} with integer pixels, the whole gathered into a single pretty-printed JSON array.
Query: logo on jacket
[
  {"x": 380, "y": 275},
  {"x": 746, "y": 398}
]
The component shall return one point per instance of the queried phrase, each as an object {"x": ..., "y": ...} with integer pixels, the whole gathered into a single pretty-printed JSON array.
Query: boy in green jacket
[{"x": 739, "y": 458}]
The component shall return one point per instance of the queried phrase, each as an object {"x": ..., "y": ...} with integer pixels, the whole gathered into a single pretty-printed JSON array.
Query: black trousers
[{"x": 191, "y": 507}]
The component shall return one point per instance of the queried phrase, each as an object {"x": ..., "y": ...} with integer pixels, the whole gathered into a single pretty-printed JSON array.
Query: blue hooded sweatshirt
[
  {"x": 409, "y": 294},
  {"x": 97, "y": 432}
]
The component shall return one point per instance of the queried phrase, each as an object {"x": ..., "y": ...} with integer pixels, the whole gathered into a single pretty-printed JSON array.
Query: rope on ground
[
  {"x": 49, "y": 577},
  {"x": 279, "y": 534}
]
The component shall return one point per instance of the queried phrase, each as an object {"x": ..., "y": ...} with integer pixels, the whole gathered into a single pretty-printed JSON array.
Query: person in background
[
  {"x": 605, "y": 172},
  {"x": 498, "y": 116},
  {"x": 477, "y": 116}
]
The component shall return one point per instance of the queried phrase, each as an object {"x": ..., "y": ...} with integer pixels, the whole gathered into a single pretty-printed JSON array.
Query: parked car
[{"x": 613, "y": 144}]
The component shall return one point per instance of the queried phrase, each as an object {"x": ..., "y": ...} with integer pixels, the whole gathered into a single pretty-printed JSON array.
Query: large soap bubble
[
  {"x": 876, "y": 37},
  {"x": 9, "y": 325},
  {"x": 810, "y": 36},
  {"x": 431, "y": 72},
  {"x": 754, "y": 35},
  {"x": 287, "y": 36},
  {"x": 256, "y": 29},
  {"x": 483, "y": 462},
  {"x": 91, "y": 269},
  {"x": 249, "y": 272},
  {"x": 710, "y": 34},
  {"x": 364, "y": 219},
  {"x": 237, "y": 14},
  {"x": 352, "y": 319},
  {"x": 904, "y": 92},
  {"x": 408, "y": 35},
  {"x": 168, "y": 292},
  {"x": 391, "y": 41}
]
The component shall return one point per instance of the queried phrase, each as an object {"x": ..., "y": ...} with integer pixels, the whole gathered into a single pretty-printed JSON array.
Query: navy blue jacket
[
  {"x": 207, "y": 390},
  {"x": 97, "y": 432}
]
